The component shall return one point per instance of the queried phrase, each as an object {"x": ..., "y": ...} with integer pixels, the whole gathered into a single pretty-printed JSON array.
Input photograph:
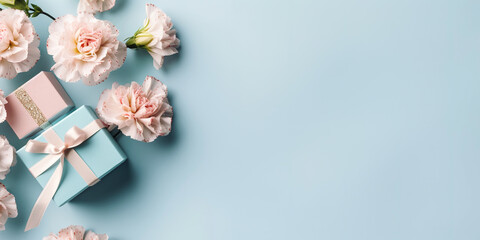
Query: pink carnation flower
[
  {"x": 8, "y": 157},
  {"x": 93, "y": 6},
  {"x": 18, "y": 43},
  {"x": 84, "y": 47},
  {"x": 8, "y": 206},
  {"x": 156, "y": 35},
  {"x": 76, "y": 233},
  {"x": 3, "y": 111},
  {"x": 141, "y": 112}
]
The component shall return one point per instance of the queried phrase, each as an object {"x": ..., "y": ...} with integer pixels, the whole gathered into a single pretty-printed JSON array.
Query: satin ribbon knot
[
  {"x": 58, "y": 150},
  {"x": 73, "y": 138}
]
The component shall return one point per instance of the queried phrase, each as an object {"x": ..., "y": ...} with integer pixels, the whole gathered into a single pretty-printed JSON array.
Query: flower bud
[{"x": 142, "y": 39}]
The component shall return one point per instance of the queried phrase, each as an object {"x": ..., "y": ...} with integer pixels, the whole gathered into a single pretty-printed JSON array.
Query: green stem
[
  {"x": 48, "y": 15},
  {"x": 44, "y": 13}
]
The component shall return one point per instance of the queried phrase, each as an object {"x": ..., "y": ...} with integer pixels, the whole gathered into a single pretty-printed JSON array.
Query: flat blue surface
[{"x": 301, "y": 119}]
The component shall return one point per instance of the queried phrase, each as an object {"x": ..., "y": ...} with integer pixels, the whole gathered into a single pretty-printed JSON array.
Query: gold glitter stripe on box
[{"x": 30, "y": 106}]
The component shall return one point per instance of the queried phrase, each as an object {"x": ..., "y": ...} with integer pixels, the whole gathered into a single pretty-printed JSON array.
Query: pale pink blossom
[
  {"x": 76, "y": 233},
  {"x": 8, "y": 157},
  {"x": 140, "y": 112},
  {"x": 156, "y": 36},
  {"x": 93, "y": 236},
  {"x": 8, "y": 206},
  {"x": 3, "y": 111},
  {"x": 84, "y": 47},
  {"x": 93, "y": 6},
  {"x": 18, "y": 43}
]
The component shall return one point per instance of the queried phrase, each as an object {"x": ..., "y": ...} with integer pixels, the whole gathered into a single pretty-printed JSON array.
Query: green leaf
[{"x": 36, "y": 8}]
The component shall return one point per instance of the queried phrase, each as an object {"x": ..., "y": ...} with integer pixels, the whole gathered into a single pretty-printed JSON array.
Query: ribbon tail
[{"x": 45, "y": 197}]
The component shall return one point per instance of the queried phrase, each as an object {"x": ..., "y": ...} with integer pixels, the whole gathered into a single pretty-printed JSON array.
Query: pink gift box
[{"x": 36, "y": 104}]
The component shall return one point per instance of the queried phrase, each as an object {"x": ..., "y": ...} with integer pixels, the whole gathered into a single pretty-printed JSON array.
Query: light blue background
[{"x": 301, "y": 119}]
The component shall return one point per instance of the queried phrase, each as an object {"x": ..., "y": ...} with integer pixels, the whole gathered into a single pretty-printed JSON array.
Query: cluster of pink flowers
[
  {"x": 86, "y": 48},
  {"x": 82, "y": 46}
]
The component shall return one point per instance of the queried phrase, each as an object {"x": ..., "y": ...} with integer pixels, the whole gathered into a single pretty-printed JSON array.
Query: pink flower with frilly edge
[
  {"x": 157, "y": 36},
  {"x": 3, "y": 111},
  {"x": 18, "y": 43},
  {"x": 84, "y": 47},
  {"x": 93, "y": 6},
  {"x": 8, "y": 157},
  {"x": 76, "y": 233},
  {"x": 140, "y": 112},
  {"x": 8, "y": 206}
]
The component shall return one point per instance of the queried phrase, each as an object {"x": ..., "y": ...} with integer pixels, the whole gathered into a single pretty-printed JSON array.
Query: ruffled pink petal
[
  {"x": 93, "y": 236},
  {"x": 23, "y": 53},
  {"x": 165, "y": 41},
  {"x": 91, "y": 64},
  {"x": 3, "y": 111},
  {"x": 72, "y": 233},
  {"x": 76, "y": 233},
  {"x": 93, "y": 6},
  {"x": 32, "y": 59},
  {"x": 8, "y": 158},
  {"x": 141, "y": 112},
  {"x": 8, "y": 206}
]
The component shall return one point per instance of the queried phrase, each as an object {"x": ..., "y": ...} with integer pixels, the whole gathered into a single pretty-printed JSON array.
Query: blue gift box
[{"x": 100, "y": 152}]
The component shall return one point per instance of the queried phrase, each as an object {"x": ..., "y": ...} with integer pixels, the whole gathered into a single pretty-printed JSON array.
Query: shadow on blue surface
[
  {"x": 113, "y": 185},
  {"x": 173, "y": 61},
  {"x": 19, "y": 176},
  {"x": 171, "y": 138}
]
